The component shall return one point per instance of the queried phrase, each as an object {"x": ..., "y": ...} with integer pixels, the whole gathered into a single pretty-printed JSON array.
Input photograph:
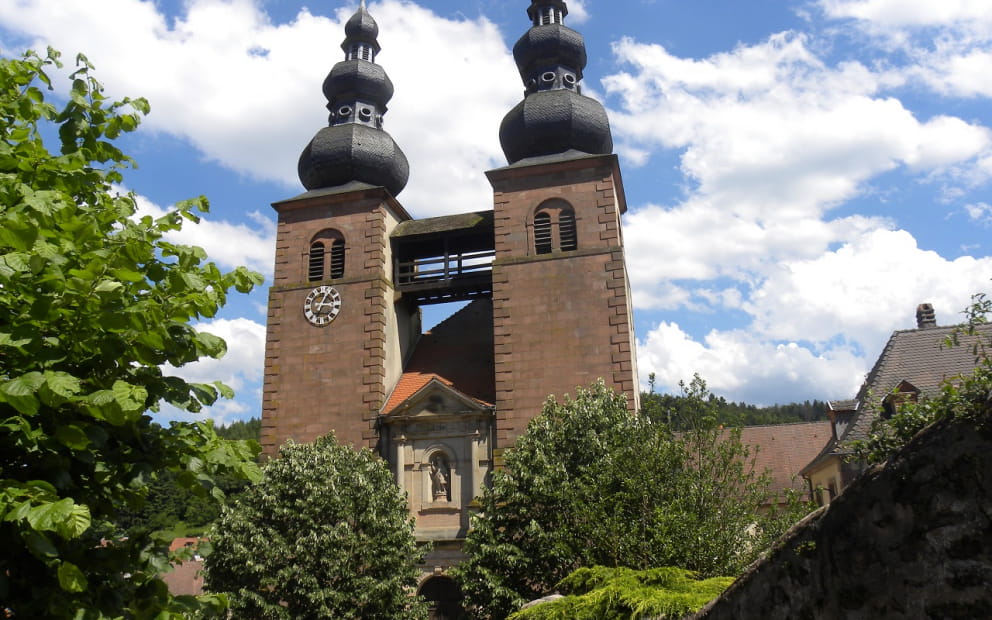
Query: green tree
[
  {"x": 242, "y": 429},
  {"x": 324, "y": 534},
  {"x": 589, "y": 484},
  {"x": 94, "y": 303}
]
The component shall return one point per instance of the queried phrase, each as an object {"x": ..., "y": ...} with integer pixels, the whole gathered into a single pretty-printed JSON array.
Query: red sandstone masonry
[
  {"x": 560, "y": 321},
  {"x": 328, "y": 378}
]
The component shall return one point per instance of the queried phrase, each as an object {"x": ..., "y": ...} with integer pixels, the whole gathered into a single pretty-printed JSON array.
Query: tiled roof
[
  {"x": 918, "y": 356},
  {"x": 783, "y": 450},
  {"x": 457, "y": 352}
]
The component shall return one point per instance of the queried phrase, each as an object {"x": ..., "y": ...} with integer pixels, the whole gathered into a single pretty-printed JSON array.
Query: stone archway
[{"x": 444, "y": 598}]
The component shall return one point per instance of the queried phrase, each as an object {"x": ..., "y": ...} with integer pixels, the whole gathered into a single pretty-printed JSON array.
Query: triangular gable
[{"x": 415, "y": 389}]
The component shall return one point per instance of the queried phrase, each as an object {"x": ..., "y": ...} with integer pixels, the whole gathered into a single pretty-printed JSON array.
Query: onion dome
[
  {"x": 354, "y": 147},
  {"x": 554, "y": 116}
]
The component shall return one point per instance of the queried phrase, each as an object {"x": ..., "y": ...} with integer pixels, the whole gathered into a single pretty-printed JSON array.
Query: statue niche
[{"x": 440, "y": 472}]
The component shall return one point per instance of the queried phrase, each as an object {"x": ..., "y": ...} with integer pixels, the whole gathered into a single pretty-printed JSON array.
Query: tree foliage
[
  {"x": 94, "y": 303},
  {"x": 666, "y": 408},
  {"x": 601, "y": 593},
  {"x": 173, "y": 510},
  {"x": 324, "y": 534},
  {"x": 589, "y": 484},
  {"x": 962, "y": 398}
]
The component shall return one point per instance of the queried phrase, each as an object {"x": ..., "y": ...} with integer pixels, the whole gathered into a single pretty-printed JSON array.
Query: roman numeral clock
[{"x": 322, "y": 305}]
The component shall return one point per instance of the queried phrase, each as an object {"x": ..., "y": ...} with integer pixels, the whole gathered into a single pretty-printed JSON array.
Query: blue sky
[{"x": 800, "y": 174}]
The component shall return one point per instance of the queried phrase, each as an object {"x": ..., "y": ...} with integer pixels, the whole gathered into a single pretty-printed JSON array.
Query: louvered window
[
  {"x": 566, "y": 231},
  {"x": 315, "y": 270},
  {"x": 337, "y": 259},
  {"x": 542, "y": 233}
]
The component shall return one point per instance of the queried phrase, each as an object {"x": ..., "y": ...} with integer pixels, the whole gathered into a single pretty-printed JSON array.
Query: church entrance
[{"x": 444, "y": 598}]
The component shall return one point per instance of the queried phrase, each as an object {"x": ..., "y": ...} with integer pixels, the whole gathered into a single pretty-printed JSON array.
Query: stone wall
[{"x": 912, "y": 539}]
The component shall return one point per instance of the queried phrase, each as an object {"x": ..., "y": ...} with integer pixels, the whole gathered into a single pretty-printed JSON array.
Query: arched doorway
[{"x": 444, "y": 598}]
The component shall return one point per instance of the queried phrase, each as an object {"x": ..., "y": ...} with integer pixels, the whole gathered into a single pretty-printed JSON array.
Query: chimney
[{"x": 925, "y": 316}]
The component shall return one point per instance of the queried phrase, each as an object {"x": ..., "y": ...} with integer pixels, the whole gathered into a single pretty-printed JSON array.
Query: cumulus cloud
[
  {"x": 742, "y": 367},
  {"x": 949, "y": 42},
  {"x": 863, "y": 290},
  {"x": 246, "y": 91},
  {"x": 772, "y": 139},
  {"x": 912, "y": 13},
  {"x": 769, "y": 131}
]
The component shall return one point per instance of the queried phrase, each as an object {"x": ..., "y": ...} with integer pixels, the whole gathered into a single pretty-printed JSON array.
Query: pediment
[{"x": 437, "y": 399}]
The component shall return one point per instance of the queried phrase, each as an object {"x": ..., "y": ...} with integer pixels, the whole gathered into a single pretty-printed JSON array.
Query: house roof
[
  {"x": 783, "y": 449},
  {"x": 458, "y": 352},
  {"x": 918, "y": 357}
]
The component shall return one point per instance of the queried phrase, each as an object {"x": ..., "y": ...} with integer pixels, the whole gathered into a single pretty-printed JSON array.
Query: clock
[{"x": 322, "y": 305}]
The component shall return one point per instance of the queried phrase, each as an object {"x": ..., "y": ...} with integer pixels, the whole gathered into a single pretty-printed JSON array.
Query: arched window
[
  {"x": 326, "y": 244},
  {"x": 555, "y": 228}
]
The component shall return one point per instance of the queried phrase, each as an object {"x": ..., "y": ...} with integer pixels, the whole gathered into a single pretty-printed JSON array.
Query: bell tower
[
  {"x": 335, "y": 338},
  {"x": 561, "y": 296}
]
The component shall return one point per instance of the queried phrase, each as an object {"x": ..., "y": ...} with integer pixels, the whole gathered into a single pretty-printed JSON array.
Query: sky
[{"x": 799, "y": 174}]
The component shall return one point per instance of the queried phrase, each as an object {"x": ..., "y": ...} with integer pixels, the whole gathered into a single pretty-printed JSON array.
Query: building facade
[{"x": 542, "y": 273}]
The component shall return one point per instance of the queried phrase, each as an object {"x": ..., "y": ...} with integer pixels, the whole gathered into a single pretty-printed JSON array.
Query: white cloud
[
  {"x": 864, "y": 290},
  {"x": 980, "y": 212},
  {"x": 948, "y": 42},
  {"x": 741, "y": 367},
  {"x": 770, "y": 132},
  {"x": 229, "y": 245},
  {"x": 912, "y": 13},
  {"x": 577, "y": 12},
  {"x": 247, "y": 92}
]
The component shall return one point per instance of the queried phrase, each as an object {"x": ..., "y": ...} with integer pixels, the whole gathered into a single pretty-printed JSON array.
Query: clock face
[{"x": 322, "y": 305}]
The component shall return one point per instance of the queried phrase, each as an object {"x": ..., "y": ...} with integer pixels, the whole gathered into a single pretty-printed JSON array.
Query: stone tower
[
  {"x": 543, "y": 275},
  {"x": 561, "y": 300},
  {"x": 335, "y": 340}
]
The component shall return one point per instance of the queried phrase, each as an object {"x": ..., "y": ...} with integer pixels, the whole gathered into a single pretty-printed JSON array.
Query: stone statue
[{"x": 439, "y": 479}]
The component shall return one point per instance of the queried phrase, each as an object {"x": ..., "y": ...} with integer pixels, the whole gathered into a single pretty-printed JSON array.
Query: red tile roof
[{"x": 784, "y": 449}]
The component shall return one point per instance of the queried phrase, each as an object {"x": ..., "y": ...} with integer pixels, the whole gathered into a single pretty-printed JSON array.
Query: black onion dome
[
  {"x": 358, "y": 79},
  {"x": 361, "y": 27},
  {"x": 354, "y": 147},
  {"x": 554, "y": 116},
  {"x": 555, "y": 121},
  {"x": 552, "y": 44},
  {"x": 340, "y": 154}
]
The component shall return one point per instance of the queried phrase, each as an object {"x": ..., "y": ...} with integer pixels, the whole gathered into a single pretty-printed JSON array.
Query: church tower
[
  {"x": 334, "y": 339},
  {"x": 561, "y": 297}
]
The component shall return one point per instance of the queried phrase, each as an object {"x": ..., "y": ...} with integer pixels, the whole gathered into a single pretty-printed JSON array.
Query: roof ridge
[{"x": 782, "y": 424}]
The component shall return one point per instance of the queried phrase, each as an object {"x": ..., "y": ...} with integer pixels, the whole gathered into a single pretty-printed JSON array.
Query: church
[{"x": 540, "y": 274}]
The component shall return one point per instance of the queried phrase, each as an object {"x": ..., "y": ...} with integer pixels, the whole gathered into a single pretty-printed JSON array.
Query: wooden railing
[{"x": 442, "y": 270}]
